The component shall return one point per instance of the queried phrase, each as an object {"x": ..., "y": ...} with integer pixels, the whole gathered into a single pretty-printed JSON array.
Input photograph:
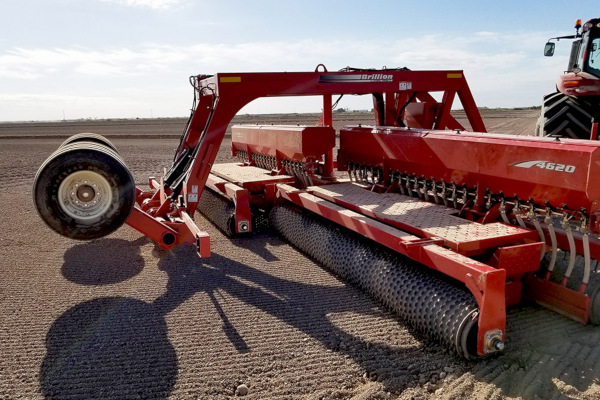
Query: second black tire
[{"x": 568, "y": 116}]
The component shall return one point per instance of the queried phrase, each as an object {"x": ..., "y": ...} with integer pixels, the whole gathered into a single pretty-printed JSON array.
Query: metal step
[
  {"x": 247, "y": 176},
  {"x": 424, "y": 219}
]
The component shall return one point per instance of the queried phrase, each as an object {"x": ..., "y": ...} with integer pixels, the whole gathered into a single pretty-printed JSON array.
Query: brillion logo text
[{"x": 377, "y": 77}]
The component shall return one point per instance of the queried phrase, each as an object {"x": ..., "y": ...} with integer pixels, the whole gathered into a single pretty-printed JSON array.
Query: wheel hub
[{"x": 85, "y": 195}]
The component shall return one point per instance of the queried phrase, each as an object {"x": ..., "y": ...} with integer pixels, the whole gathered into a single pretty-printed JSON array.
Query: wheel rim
[{"x": 85, "y": 195}]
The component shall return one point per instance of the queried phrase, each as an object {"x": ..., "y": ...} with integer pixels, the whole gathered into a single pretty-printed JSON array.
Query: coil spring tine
[
  {"x": 304, "y": 176},
  {"x": 436, "y": 194},
  {"x": 444, "y": 197},
  {"x": 536, "y": 223},
  {"x": 416, "y": 188},
  {"x": 587, "y": 262},
  {"x": 402, "y": 191},
  {"x": 453, "y": 199},
  {"x": 503, "y": 212},
  {"x": 520, "y": 221},
  {"x": 518, "y": 215},
  {"x": 572, "y": 251},
  {"x": 548, "y": 221},
  {"x": 310, "y": 181},
  {"x": 295, "y": 173},
  {"x": 425, "y": 190}
]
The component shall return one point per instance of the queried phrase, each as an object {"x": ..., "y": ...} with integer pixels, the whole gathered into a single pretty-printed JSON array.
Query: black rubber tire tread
[
  {"x": 75, "y": 157},
  {"x": 90, "y": 137},
  {"x": 219, "y": 210},
  {"x": 433, "y": 306},
  {"x": 574, "y": 282},
  {"x": 568, "y": 116}
]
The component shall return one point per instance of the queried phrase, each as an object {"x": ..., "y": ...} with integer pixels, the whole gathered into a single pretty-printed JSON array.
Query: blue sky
[{"x": 132, "y": 58}]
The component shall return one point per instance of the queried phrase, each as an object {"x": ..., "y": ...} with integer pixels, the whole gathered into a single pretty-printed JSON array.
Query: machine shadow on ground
[
  {"x": 103, "y": 261},
  {"x": 119, "y": 346},
  {"x": 109, "y": 347},
  {"x": 282, "y": 299}
]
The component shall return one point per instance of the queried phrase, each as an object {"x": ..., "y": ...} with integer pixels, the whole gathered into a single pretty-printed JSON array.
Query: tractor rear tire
[
  {"x": 90, "y": 137},
  {"x": 84, "y": 191},
  {"x": 567, "y": 116}
]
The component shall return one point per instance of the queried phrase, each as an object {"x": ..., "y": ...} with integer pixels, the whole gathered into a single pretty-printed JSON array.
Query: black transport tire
[
  {"x": 568, "y": 116},
  {"x": 84, "y": 191},
  {"x": 90, "y": 137}
]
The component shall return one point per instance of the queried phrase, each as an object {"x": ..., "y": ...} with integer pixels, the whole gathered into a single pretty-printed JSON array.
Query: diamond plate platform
[
  {"x": 424, "y": 219},
  {"x": 248, "y": 177}
]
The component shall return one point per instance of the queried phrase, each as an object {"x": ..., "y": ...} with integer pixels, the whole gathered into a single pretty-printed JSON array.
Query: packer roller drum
[
  {"x": 426, "y": 300},
  {"x": 219, "y": 210}
]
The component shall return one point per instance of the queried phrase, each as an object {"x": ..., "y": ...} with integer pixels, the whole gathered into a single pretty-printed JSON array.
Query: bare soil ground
[{"x": 117, "y": 318}]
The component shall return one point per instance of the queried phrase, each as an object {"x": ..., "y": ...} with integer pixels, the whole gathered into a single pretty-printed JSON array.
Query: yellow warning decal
[
  {"x": 230, "y": 79},
  {"x": 454, "y": 76}
]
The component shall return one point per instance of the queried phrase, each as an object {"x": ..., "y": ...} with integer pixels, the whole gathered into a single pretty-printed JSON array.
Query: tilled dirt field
[{"x": 118, "y": 318}]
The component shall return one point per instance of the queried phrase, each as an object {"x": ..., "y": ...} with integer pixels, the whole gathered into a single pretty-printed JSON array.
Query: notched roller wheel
[
  {"x": 84, "y": 190},
  {"x": 92, "y": 138},
  {"x": 430, "y": 302}
]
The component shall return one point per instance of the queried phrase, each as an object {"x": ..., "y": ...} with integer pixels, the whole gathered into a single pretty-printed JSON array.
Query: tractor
[{"x": 572, "y": 110}]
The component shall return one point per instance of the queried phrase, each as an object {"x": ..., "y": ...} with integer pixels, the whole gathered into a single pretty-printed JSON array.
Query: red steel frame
[
  {"x": 168, "y": 220},
  {"x": 166, "y": 216}
]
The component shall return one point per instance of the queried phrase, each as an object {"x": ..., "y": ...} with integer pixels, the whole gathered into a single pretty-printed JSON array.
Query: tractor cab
[
  {"x": 585, "y": 49},
  {"x": 591, "y": 58}
]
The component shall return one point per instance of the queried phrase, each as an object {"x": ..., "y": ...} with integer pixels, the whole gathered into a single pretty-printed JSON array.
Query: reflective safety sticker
[{"x": 230, "y": 79}]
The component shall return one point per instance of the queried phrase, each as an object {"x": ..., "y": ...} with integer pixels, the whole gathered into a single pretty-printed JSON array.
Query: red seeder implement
[{"x": 445, "y": 226}]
